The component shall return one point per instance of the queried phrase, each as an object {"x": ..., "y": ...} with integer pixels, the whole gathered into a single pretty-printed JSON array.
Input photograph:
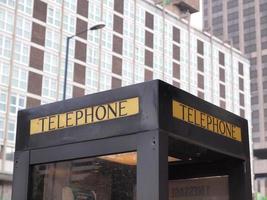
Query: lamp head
[{"x": 97, "y": 26}]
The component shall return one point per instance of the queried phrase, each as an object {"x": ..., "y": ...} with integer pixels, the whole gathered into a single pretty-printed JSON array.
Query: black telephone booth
[{"x": 149, "y": 141}]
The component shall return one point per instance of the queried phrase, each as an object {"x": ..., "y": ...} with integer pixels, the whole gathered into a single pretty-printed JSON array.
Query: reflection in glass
[
  {"x": 208, "y": 188},
  {"x": 111, "y": 177}
]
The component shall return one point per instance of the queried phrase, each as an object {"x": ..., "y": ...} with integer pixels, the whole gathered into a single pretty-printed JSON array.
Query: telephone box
[{"x": 150, "y": 141}]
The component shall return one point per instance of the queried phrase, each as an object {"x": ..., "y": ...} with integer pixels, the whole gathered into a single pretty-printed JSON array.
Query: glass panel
[
  {"x": 111, "y": 177},
  {"x": 207, "y": 188},
  {"x": 187, "y": 178}
]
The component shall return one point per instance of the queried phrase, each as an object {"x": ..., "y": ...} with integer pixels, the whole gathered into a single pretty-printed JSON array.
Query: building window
[
  {"x": 127, "y": 70},
  {"x": 139, "y": 73},
  {"x": 20, "y": 78},
  {"x": 157, "y": 61},
  {"x": 149, "y": 21},
  {"x": 140, "y": 34},
  {"x": 241, "y": 99},
  {"x": 140, "y": 16},
  {"x": 68, "y": 93},
  {"x": 139, "y": 54},
  {"x": 200, "y": 64},
  {"x": 70, "y": 69},
  {"x": 69, "y": 23},
  {"x": 108, "y": 3},
  {"x": 17, "y": 102},
  {"x": 49, "y": 87},
  {"x": 128, "y": 48},
  {"x": 10, "y": 3},
  {"x": 91, "y": 78},
  {"x": 222, "y": 90},
  {"x": 2, "y": 125},
  {"x": 107, "y": 39},
  {"x": 3, "y": 100},
  {"x": 50, "y": 63},
  {"x": 200, "y": 94},
  {"x": 11, "y": 131},
  {"x": 176, "y": 34},
  {"x": 94, "y": 10},
  {"x": 22, "y": 52},
  {"x": 255, "y": 114},
  {"x": 265, "y": 113},
  {"x": 158, "y": 42},
  {"x": 108, "y": 18},
  {"x": 253, "y": 74},
  {"x": 54, "y": 16},
  {"x": 106, "y": 62},
  {"x": 240, "y": 68},
  {"x": 5, "y": 46},
  {"x": 128, "y": 8},
  {"x": 6, "y": 20},
  {"x": 52, "y": 39},
  {"x": 176, "y": 52},
  {"x": 9, "y": 153},
  {"x": 128, "y": 30},
  {"x": 25, "y": 6},
  {"x": 250, "y": 48},
  {"x": 222, "y": 104},
  {"x": 94, "y": 37},
  {"x": 24, "y": 27},
  {"x": 242, "y": 112},
  {"x": 264, "y": 85},
  {"x": 200, "y": 47},
  {"x": 200, "y": 81},
  {"x": 4, "y": 73},
  {"x": 168, "y": 67},
  {"x": 253, "y": 87},
  {"x": 222, "y": 74},
  {"x": 255, "y": 99},
  {"x": 255, "y": 128},
  {"x": 70, "y": 4},
  {"x": 105, "y": 82},
  {"x": 221, "y": 58},
  {"x": 241, "y": 84},
  {"x": 92, "y": 55}
]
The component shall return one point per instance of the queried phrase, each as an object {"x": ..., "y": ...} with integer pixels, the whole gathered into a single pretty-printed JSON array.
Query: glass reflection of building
[{"x": 138, "y": 44}]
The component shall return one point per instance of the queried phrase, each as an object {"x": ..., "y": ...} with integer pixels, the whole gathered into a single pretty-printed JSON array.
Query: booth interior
[{"x": 144, "y": 152}]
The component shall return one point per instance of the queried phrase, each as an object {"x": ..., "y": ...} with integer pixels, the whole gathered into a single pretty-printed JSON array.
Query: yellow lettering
[
  {"x": 85, "y": 116},
  {"x": 205, "y": 121}
]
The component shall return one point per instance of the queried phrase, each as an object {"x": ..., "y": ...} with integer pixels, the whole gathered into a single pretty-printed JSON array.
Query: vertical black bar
[
  {"x": 20, "y": 176},
  {"x": 237, "y": 182},
  {"x": 66, "y": 67},
  {"x": 152, "y": 166}
]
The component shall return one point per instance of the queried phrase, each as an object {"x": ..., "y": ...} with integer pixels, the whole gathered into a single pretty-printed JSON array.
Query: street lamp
[{"x": 92, "y": 28}]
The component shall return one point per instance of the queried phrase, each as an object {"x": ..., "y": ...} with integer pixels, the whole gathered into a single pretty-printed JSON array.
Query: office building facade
[
  {"x": 139, "y": 43},
  {"x": 244, "y": 24}
]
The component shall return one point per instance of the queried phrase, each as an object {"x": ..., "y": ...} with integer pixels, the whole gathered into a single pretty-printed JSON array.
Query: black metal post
[
  {"x": 66, "y": 67},
  {"x": 95, "y": 27}
]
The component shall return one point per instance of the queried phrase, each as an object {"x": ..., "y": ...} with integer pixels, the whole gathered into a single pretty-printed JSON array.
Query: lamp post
[{"x": 92, "y": 28}]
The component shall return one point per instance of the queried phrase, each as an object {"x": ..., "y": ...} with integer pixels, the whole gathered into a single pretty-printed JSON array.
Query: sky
[{"x": 196, "y": 19}]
